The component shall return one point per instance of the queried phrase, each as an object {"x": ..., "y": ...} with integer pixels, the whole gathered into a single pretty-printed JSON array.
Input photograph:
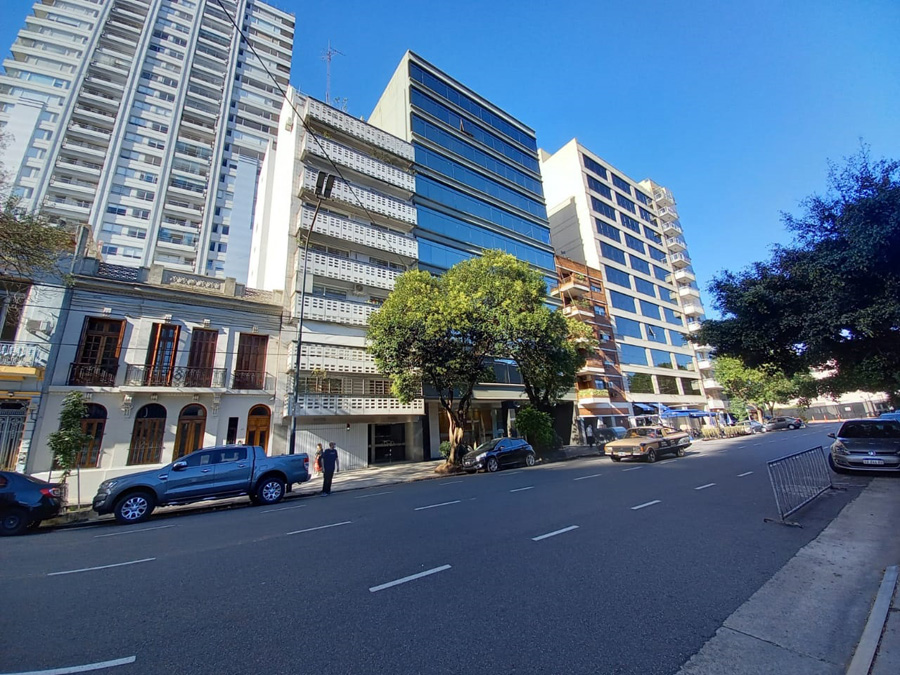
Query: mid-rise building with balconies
[
  {"x": 337, "y": 252},
  {"x": 146, "y": 121}
]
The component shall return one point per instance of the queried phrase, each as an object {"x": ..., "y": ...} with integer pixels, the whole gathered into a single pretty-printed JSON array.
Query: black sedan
[
  {"x": 498, "y": 453},
  {"x": 26, "y": 501}
]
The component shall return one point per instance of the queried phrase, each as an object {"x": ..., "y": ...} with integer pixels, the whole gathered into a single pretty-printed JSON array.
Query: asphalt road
[{"x": 550, "y": 569}]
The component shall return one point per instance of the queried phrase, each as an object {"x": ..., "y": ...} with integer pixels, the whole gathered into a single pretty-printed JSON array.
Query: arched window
[
  {"x": 191, "y": 427},
  {"x": 93, "y": 424},
  {"x": 147, "y": 436},
  {"x": 258, "y": 421}
]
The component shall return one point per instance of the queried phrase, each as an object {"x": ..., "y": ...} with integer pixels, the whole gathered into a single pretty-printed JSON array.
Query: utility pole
[{"x": 327, "y": 55}]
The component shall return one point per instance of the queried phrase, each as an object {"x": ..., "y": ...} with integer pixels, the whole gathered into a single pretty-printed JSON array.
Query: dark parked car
[
  {"x": 604, "y": 435},
  {"x": 783, "y": 423},
  {"x": 26, "y": 501},
  {"x": 498, "y": 453},
  {"x": 866, "y": 445}
]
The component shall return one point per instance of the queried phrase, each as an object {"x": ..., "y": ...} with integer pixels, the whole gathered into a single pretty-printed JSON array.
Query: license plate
[{"x": 873, "y": 461}]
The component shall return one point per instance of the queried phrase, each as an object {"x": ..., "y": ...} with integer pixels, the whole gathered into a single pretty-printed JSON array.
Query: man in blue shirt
[{"x": 330, "y": 464}]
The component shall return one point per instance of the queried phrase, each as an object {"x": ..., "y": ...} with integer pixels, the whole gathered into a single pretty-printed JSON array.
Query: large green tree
[
  {"x": 831, "y": 299},
  {"x": 763, "y": 386}
]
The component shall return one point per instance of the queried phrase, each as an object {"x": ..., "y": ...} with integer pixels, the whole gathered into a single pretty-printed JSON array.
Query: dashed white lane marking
[
  {"x": 645, "y": 505},
  {"x": 746, "y": 473},
  {"x": 376, "y": 494},
  {"x": 530, "y": 487},
  {"x": 285, "y": 508},
  {"x": 320, "y": 527},
  {"x": 449, "y": 482},
  {"x": 101, "y": 665},
  {"x": 703, "y": 487},
  {"x": 555, "y": 532},
  {"x": 634, "y": 468},
  {"x": 666, "y": 461},
  {"x": 434, "y": 506},
  {"x": 101, "y": 567},
  {"x": 145, "y": 529},
  {"x": 593, "y": 475},
  {"x": 411, "y": 577},
  {"x": 512, "y": 473}
]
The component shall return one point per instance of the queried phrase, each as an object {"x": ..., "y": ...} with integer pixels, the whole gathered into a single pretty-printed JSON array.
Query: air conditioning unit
[
  {"x": 38, "y": 326},
  {"x": 358, "y": 289}
]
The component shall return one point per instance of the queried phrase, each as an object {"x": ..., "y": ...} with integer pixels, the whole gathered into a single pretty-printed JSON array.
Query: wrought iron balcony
[
  {"x": 174, "y": 376},
  {"x": 92, "y": 375},
  {"x": 22, "y": 355},
  {"x": 251, "y": 379}
]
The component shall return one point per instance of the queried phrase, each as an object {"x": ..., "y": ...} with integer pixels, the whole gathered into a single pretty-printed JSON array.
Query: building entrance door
[
  {"x": 258, "y": 421},
  {"x": 12, "y": 424},
  {"x": 388, "y": 443}
]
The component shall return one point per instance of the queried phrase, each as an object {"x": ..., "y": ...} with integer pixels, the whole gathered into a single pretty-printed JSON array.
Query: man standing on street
[{"x": 330, "y": 464}]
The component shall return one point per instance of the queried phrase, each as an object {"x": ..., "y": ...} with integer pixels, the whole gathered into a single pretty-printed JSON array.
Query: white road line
[
  {"x": 284, "y": 508},
  {"x": 80, "y": 669},
  {"x": 101, "y": 567},
  {"x": 449, "y": 482},
  {"x": 634, "y": 468},
  {"x": 593, "y": 475},
  {"x": 145, "y": 529},
  {"x": 645, "y": 504},
  {"x": 703, "y": 487},
  {"x": 746, "y": 473},
  {"x": 666, "y": 461},
  {"x": 377, "y": 494},
  {"x": 434, "y": 506},
  {"x": 512, "y": 473},
  {"x": 555, "y": 532},
  {"x": 530, "y": 487},
  {"x": 411, "y": 577},
  {"x": 321, "y": 527}
]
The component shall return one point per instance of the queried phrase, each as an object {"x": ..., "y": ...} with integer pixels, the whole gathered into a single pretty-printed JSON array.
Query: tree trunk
[{"x": 457, "y": 430}]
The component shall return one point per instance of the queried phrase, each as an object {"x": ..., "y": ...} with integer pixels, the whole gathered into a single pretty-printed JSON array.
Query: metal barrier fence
[{"x": 798, "y": 479}]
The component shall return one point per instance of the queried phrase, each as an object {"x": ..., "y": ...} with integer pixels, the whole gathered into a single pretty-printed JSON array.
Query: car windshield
[
  {"x": 490, "y": 445},
  {"x": 870, "y": 429},
  {"x": 641, "y": 432}
]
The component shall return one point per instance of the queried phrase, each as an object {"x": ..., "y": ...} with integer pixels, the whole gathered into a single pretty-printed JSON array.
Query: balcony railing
[
  {"x": 351, "y": 271},
  {"x": 330, "y": 404},
  {"x": 22, "y": 355},
  {"x": 375, "y": 202},
  {"x": 251, "y": 379},
  {"x": 337, "y": 311},
  {"x": 679, "y": 260},
  {"x": 174, "y": 376},
  {"x": 360, "y": 233},
  {"x": 359, "y": 162},
  {"x": 358, "y": 129},
  {"x": 668, "y": 214},
  {"x": 593, "y": 393},
  {"x": 92, "y": 375}
]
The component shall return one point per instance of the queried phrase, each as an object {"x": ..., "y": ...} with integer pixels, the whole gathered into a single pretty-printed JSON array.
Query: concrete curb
[{"x": 871, "y": 635}]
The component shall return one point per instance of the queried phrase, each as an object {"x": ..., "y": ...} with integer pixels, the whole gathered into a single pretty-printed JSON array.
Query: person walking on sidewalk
[
  {"x": 330, "y": 464},
  {"x": 589, "y": 433}
]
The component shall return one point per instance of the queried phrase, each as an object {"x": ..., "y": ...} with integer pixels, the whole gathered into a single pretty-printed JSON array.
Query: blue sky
[{"x": 734, "y": 106}]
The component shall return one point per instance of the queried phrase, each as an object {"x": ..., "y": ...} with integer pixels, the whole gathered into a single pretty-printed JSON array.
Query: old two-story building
[{"x": 168, "y": 362}]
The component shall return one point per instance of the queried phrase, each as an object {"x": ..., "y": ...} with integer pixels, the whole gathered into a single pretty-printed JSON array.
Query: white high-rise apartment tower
[{"x": 147, "y": 121}]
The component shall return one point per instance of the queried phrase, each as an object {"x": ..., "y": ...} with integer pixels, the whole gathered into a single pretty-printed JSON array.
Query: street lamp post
[{"x": 324, "y": 185}]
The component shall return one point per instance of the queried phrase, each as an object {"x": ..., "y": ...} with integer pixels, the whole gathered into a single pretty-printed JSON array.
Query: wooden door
[
  {"x": 201, "y": 358},
  {"x": 258, "y": 421},
  {"x": 250, "y": 369},
  {"x": 161, "y": 354},
  {"x": 191, "y": 429}
]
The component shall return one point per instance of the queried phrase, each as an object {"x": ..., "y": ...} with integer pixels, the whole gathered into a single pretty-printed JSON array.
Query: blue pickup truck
[{"x": 208, "y": 473}]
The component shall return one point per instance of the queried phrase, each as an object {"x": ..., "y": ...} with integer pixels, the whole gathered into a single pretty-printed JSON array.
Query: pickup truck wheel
[
  {"x": 270, "y": 490},
  {"x": 135, "y": 507},
  {"x": 651, "y": 456},
  {"x": 679, "y": 452},
  {"x": 12, "y": 522}
]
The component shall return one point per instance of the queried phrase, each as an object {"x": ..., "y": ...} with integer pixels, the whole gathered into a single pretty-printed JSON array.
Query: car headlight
[
  {"x": 105, "y": 485},
  {"x": 480, "y": 457},
  {"x": 839, "y": 448}
]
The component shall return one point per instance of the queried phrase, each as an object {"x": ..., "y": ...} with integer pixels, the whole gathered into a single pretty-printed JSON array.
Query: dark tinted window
[
  {"x": 873, "y": 429},
  {"x": 199, "y": 458},
  {"x": 232, "y": 455}
]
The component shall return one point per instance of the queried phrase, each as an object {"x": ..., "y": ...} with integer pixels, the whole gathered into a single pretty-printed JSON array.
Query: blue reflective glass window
[
  {"x": 673, "y": 317},
  {"x": 617, "y": 277},
  {"x": 453, "y": 144},
  {"x": 684, "y": 361},
  {"x": 634, "y": 243},
  {"x": 655, "y": 333},
  {"x": 591, "y": 165},
  {"x": 439, "y": 255},
  {"x": 630, "y": 223},
  {"x": 639, "y": 264},
  {"x": 603, "y": 208},
  {"x": 656, "y": 254},
  {"x": 644, "y": 287},
  {"x": 621, "y": 184},
  {"x": 649, "y": 309},
  {"x": 457, "y": 172},
  {"x": 621, "y": 301},
  {"x": 642, "y": 198},
  {"x": 628, "y": 327},
  {"x": 625, "y": 203},
  {"x": 608, "y": 230},
  {"x": 659, "y": 273},
  {"x": 633, "y": 355},
  {"x": 461, "y": 100},
  {"x": 454, "y": 228},
  {"x": 612, "y": 253},
  {"x": 442, "y": 194},
  {"x": 677, "y": 339},
  {"x": 652, "y": 234},
  {"x": 660, "y": 359},
  {"x": 599, "y": 187},
  {"x": 667, "y": 295},
  {"x": 444, "y": 114},
  {"x": 645, "y": 214}
]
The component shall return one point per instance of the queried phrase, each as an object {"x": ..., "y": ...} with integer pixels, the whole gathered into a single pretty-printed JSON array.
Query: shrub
[
  {"x": 537, "y": 428},
  {"x": 445, "y": 449}
]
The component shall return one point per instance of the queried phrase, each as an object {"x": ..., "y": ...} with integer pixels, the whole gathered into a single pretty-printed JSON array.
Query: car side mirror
[
  {"x": 179, "y": 466},
  {"x": 832, "y": 435}
]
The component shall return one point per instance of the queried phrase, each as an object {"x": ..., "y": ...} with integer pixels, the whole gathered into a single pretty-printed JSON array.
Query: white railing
[
  {"x": 359, "y": 129},
  {"x": 335, "y": 267},
  {"x": 331, "y": 404},
  {"x": 668, "y": 214},
  {"x": 688, "y": 291},
  {"x": 337, "y": 311},
  {"x": 359, "y": 162},
  {"x": 694, "y": 326},
  {"x": 679, "y": 259},
  {"x": 373, "y": 201},
  {"x": 663, "y": 196},
  {"x": 23, "y": 355},
  {"x": 672, "y": 228},
  {"x": 710, "y": 383},
  {"x": 684, "y": 275},
  {"x": 692, "y": 309},
  {"x": 360, "y": 233},
  {"x": 334, "y": 359}
]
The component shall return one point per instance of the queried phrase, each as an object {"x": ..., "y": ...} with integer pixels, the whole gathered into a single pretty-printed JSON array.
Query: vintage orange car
[{"x": 649, "y": 443}]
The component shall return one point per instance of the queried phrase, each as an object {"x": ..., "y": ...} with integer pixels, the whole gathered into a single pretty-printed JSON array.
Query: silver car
[{"x": 866, "y": 445}]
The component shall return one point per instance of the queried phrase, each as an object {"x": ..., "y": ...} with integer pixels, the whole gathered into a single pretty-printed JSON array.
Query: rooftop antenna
[{"x": 327, "y": 55}]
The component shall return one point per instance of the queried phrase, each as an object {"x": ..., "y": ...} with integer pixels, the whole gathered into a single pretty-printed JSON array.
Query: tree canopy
[
  {"x": 831, "y": 299},
  {"x": 763, "y": 386}
]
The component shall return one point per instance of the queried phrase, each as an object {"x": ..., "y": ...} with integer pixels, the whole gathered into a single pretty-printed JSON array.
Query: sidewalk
[{"x": 809, "y": 617}]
